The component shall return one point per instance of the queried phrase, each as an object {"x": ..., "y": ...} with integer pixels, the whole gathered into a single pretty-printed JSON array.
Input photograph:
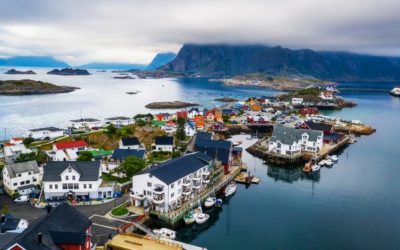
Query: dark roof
[
  {"x": 214, "y": 148},
  {"x": 121, "y": 154},
  {"x": 88, "y": 170},
  {"x": 64, "y": 219},
  {"x": 22, "y": 167},
  {"x": 10, "y": 223},
  {"x": 130, "y": 141},
  {"x": 6, "y": 238},
  {"x": 85, "y": 120},
  {"x": 118, "y": 118},
  {"x": 52, "y": 129},
  {"x": 290, "y": 135},
  {"x": 164, "y": 140},
  {"x": 177, "y": 168},
  {"x": 203, "y": 136},
  {"x": 318, "y": 126},
  {"x": 333, "y": 137}
]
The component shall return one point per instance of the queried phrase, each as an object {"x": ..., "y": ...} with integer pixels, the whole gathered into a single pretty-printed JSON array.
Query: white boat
[
  {"x": 334, "y": 158},
  {"x": 210, "y": 201},
  {"x": 189, "y": 218},
  {"x": 328, "y": 163},
  {"x": 395, "y": 92},
  {"x": 328, "y": 157},
  {"x": 22, "y": 225},
  {"x": 315, "y": 168},
  {"x": 237, "y": 143},
  {"x": 230, "y": 189},
  {"x": 201, "y": 218},
  {"x": 166, "y": 233},
  {"x": 322, "y": 163}
]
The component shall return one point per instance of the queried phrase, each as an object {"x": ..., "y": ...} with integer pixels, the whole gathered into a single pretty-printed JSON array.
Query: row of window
[
  {"x": 70, "y": 186},
  {"x": 29, "y": 173},
  {"x": 23, "y": 182},
  {"x": 72, "y": 177}
]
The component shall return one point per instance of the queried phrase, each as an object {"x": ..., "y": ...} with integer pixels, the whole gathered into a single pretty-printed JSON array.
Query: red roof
[
  {"x": 71, "y": 144},
  {"x": 181, "y": 114},
  {"x": 17, "y": 139}
]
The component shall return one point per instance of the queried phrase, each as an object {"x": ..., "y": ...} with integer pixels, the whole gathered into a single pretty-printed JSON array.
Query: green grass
[
  {"x": 119, "y": 211},
  {"x": 108, "y": 177},
  {"x": 159, "y": 156}
]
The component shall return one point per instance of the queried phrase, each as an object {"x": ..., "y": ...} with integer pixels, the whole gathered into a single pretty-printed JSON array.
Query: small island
[
  {"x": 124, "y": 77},
  {"x": 170, "y": 105},
  {"x": 18, "y": 72},
  {"x": 31, "y": 87},
  {"x": 226, "y": 99},
  {"x": 69, "y": 72}
]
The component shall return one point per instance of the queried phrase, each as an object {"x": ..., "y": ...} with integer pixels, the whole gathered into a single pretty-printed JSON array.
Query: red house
[
  {"x": 309, "y": 111},
  {"x": 80, "y": 144}
]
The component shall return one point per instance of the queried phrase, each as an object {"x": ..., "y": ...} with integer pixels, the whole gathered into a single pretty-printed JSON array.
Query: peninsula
[
  {"x": 69, "y": 72},
  {"x": 31, "y": 87},
  {"x": 170, "y": 105},
  {"x": 18, "y": 72}
]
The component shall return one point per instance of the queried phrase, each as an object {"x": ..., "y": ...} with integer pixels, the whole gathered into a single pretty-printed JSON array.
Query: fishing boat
[
  {"x": 328, "y": 157},
  {"x": 230, "y": 189},
  {"x": 334, "y": 158},
  {"x": 201, "y": 218},
  {"x": 395, "y": 92},
  {"x": 237, "y": 143},
  {"x": 322, "y": 163},
  {"x": 315, "y": 168},
  {"x": 210, "y": 202},
  {"x": 189, "y": 218},
  {"x": 218, "y": 203},
  {"x": 328, "y": 163},
  {"x": 165, "y": 232}
]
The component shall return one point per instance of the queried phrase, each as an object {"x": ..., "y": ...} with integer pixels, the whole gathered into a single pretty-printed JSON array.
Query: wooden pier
[{"x": 246, "y": 178}]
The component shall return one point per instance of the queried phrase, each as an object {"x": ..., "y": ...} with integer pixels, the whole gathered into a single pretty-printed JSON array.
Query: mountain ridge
[{"x": 32, "y": 61}]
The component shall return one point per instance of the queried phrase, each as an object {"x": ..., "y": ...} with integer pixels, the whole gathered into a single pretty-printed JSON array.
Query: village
[{"x": 170, "y": 169}]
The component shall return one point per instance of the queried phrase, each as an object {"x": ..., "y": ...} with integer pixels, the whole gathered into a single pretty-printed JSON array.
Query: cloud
[{"x": 133, "y": 31}]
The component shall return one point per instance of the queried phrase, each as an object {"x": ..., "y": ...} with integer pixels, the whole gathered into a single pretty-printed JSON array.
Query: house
[
  {"x": 297, "y": 101},
  {"x": 326, "y": 95},
  {"x": 129, "y": 143},
  {"x": 166, "y": 184},
  {"x": 120, "y": 121},
  {"x": 85, "y": 123},
  {"x": 214, "y": 115},
  {"x": 158, "y": 123},
  {"x": 163, "y": 117},
  {"x": 170, "y": 127},
  {"x": 62, "y": 228},
  {"x": 182, "y": 114},
  {"x": 21, "y": 177},
  {"x": 67, "y": 151},
  {"x": 164, "y": 143},
  {"x": 292, "y": 142},
  {"x": 199, "y": 122},
  {"x": 119, "y": 157},
  {"x": 190, "y": 128},
  {"x": 14, "y": 149},
  {"x": 192, "y": 113},
  {"x": 100, "y": 153},
  {"x": 45, "y": 133},
  {"x": 309, "y": 111},
  {"x": 74, "y": 180},
  {"x": 229, "y": 112},
  {"x": 330, "y": 135},
  {"x": 219, "y": 127}
]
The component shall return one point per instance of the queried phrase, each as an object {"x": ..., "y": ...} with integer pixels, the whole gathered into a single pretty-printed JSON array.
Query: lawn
[
  {"x": 119, "y": 211},
  {"x": 109, "y": 177}
]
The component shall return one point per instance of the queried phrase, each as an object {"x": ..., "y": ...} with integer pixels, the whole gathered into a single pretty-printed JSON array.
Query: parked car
[{"x": 22, "y": 199}]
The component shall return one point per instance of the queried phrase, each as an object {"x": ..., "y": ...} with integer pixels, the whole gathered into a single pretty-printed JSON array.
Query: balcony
[
  {"x": 197, "y": 184},
  {"x": 158, "y": 201},
  {"x": 186, "y": 191},
  {"x": 206, "y": 173},
  {"x": 158, "y": 190},
  {"x": 196, "y": 178},
  {"x": 186, "y": 183},
  {"x": 205, "y": 181}
]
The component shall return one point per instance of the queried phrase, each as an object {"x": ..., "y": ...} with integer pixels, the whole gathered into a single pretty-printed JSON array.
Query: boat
[
  {"x": 328, "y": 157},
  {"x": 322, "y": 163},
  {"x": 395, "y": 92},
  {"x": 334, "y": 158},
  {"x": 189, "y": 218},
  {"x": 237, "y": 143},
  {"x": 210, "y": 202},
  {"x": 307, "y": 167},
  {"x": 328, "y": 163},
  {"x": 218, "y": 203},
  {"x": 230, "y": 189},
  {"x": 201, "y": 218},
  {"x": 315, "y": 168},
  {"x": 165, "y": 232}
]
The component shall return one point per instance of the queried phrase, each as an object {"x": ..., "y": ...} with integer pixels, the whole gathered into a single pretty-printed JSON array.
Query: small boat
[
  {"x": 237, "y": 143},
  {"x": 328, "y": 163},
  {"x": 307, "y": 167},
  {"x": 322, "y": 163},
  {"x": 334, "y": 158},
  {"x": 189, "y": 218},
  {"x": 201, "y": 218},
  {"x": 210, "y": 202},
  {"x": 328, "y": 157},
  {"x": 166, "y": 233},
  {"x": 395, "y": 92},
  {"x": 230, "y": 189},
  {"x": 315, "y": 168},
  {"x": 218, "y": 203}
]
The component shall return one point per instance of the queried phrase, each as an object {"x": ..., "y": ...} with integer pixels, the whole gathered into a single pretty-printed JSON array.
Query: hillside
[
  {"x": 232, "y": 60},
  {"x": 31, "y": 87},
  {"x": 160, "y": 60},
  {"x": 32, "y": 61},
  {"x": 118, "y": 66}
]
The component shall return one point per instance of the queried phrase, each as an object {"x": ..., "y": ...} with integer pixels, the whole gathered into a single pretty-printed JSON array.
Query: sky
[{"x": 134, "y": 31}]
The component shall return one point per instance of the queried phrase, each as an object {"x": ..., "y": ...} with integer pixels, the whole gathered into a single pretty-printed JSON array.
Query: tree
[
  {"x": 26, "y": 157},
  {"x": 180, "y": 134},
  {"x": 181, "y": 122},
  {"x": 111, "y": 130},
  {"x": 85, "y": 156},
  {"x": 131, "y": 166},
  {"x": 140, "y": 123},
  {"x": 28, "y": 141}
]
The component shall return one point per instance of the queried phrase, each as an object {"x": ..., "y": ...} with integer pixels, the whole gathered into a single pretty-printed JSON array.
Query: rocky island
[
  {"x": 18, "y": 72},
  {"x": 31, "y": 87},
  {"x": 170, "y": 105},
  {"x": 226, "y": 99},
  {"x": 69, "y": 72}
]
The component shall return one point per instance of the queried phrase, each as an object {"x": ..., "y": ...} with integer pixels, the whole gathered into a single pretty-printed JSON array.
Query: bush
[
  {"x": 28, "y": 141},
  {"x": 119, "y": 211},
  {"x": 85, "y": 156}
]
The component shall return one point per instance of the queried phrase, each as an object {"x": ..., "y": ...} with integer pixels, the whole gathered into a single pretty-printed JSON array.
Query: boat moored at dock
[
  {"x": 395, "y": 92},
  {"x": 230, "y": 189},
  {"x": 210, "y": 202},
  {"x": 165, "y": 232}
]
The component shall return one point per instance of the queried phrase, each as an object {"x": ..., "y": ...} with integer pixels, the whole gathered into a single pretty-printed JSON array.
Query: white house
[
  {"x": 74, "y": 180},
  {"x": 85, "y": 123},
  {"x": 297, "y": 101},
  {"x": 164, "y": 143},
  {"x": 326, "y": 95},
  {"x": 193, "y": 112},
  {"x": 43, "y": 133},
  {"x": 292, "y": 142},
  {"x": 129, "y": 143},
  {"x": 190, "y": 128},
  {"x": 119, "y": 121},
  {"x": 14, "y": 149},
  {"x": 119, "y": 155},
  {"x": 21, "y": 177},
  {"x": 67, "y": 151},
  {"x": 167, "y": 184}
]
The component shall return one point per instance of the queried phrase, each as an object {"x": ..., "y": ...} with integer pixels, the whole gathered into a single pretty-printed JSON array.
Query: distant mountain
[
  {"x": 118, "y": 66},
  {"x": 231, "y": 60},
  {"x": 32, "y": 61},
  {"x": 160, "y": 60}
]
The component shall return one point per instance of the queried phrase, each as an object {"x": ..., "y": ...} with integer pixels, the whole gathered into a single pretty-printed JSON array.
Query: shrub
[{"x": 119, "y": 211}]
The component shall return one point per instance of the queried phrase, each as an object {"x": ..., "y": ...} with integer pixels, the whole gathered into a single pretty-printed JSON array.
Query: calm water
[{"x": 353, "y": 205}]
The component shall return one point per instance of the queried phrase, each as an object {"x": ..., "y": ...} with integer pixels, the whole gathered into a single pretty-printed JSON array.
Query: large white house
[
  {"x": 67, "y": 151},
  {"x": 43, "y": 133},
  {"x": 164, "y": 143},
  {"x": 21, "y": 177},
  {"x": 119, "y": 121},
  {"x": 74, "y": 180},
  {"x": 129, "y": 143},
  {"x": 190, "y": 128},
  {"x": 14, "y": 149},
  {"x": 85, "y": 123},
  {"x": 292, "y": 142},
  {"x": 167, "y": 184}
]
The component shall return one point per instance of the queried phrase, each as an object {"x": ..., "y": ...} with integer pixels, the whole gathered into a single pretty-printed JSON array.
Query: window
[
  {"x": 34, "y": 179},
  {"x": 172, "y": 195},
  {"x": 50, "y": 186},
  {"x": 84, "y": 186},
  {"x": 66, "y": 177},
  {"x": 179, "y": 182},
  {"x": 90, "y": 185},
  {"x": 149, "y": 184},
  {"x": 76, "y": 185},
  {"x": 65, "y": 186},
  {"x": 29, "y": 173},
  {"x": 73, "y": 177},
  {"x": 55, "y": 186},
  {"x": 22, "y": 183},
  {"x": 27, "y": 182},
  {"x": 172, "y": 185},
  {"x": 14, "y": 184},
  {"x": 70, "y": 186},
  {"x": 19, "y": 175}
]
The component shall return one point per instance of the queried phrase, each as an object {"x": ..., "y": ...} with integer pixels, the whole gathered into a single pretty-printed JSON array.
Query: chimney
[
  {"x": 48, "y": 208},
  {"x": 2, "y": 219},
  {"x": 40, "y": 238}
]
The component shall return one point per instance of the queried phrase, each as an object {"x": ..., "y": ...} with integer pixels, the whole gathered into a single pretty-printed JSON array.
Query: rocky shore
[
  {"x": 31, "y": 87},
  {"x": 69, "y": 72},
  {"x": 226, "y": 99},
  {"x": 18, "y": 72},
  {"x": 170, "y": 105}
]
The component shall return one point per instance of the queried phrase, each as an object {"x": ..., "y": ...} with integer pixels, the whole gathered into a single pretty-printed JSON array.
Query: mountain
[
  {"x": 118, "y": 66},
  {"x": 160, "y": 60},
  {"x": 32, "y": 61},
  {"x": 231, "y": 60}
]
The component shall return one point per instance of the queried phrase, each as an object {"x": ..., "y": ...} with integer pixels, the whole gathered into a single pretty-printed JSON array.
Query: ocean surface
[{"x": 353, "y": 205}]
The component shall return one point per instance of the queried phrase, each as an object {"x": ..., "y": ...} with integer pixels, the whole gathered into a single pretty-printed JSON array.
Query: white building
[
  {"x": 14, "y": 149},
  {"x": 44, "y": 133},
  {"x": 129, "y": 143},
  {"x": 120, "y": 121},
  {"x": 190, "y": 128},
  {"x": 21, "y": 177},
  {"x": 167, "y": 184},
  {"x": 292, "y": 142},
  {"x": 164, "y": 143},
  {"x": 326, "y": 95},
  {"x": 193, "y": 112},
  {"x": 67, "y": 151},
  {"x": 297, "y": 101},
  {"x": 74, "y": 180},
  {"x": 85, "y": 123}
]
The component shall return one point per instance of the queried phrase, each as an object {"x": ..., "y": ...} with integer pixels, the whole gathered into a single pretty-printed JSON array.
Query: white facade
[
  {"x": 13, "y": 151},
  {"x": 40, "y": 134},
  {"x": 120, "y": 121},
  {"x": 297, "y": 101},
  {"x": 13, "y": 181},
  {"x": 86, "y": 123},
  {"x": 190, "y": 130},
  {"x": 164, "y": 148},
  {"x": 67, "y": 154},
  {"x": 122, "y": 146},
  {"x": 193, "y": 113}
]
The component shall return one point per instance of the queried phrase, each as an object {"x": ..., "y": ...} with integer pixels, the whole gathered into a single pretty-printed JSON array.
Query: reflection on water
[{"x": 290, "y": 175}]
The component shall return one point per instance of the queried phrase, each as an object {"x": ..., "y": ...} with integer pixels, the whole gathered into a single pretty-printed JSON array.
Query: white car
[{"x": 22, "y": 199}]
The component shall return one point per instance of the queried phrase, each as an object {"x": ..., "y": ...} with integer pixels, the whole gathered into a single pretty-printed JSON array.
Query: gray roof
[
  {"x": 85, "y": 120},
  {"x": 22, "y": 167},
  {"x": 52, "y": 129},
  {"x": 118, "y": 118},
  {"x": 289, "y": 135},
  {"x": 88, "y": 170}
]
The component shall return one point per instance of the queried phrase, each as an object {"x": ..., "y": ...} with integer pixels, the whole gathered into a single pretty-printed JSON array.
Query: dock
[{"x": 246, "y": 178}]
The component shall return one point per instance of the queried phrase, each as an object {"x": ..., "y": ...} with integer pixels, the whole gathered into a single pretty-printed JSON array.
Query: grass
[
  {"x": 109, "y": 177},
  {"x": 119, "y": 211},
  {"x": 159, "y": 156}
]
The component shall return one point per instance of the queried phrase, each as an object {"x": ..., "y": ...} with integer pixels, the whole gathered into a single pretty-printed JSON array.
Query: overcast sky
[{"x": 134, "y": 31}]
